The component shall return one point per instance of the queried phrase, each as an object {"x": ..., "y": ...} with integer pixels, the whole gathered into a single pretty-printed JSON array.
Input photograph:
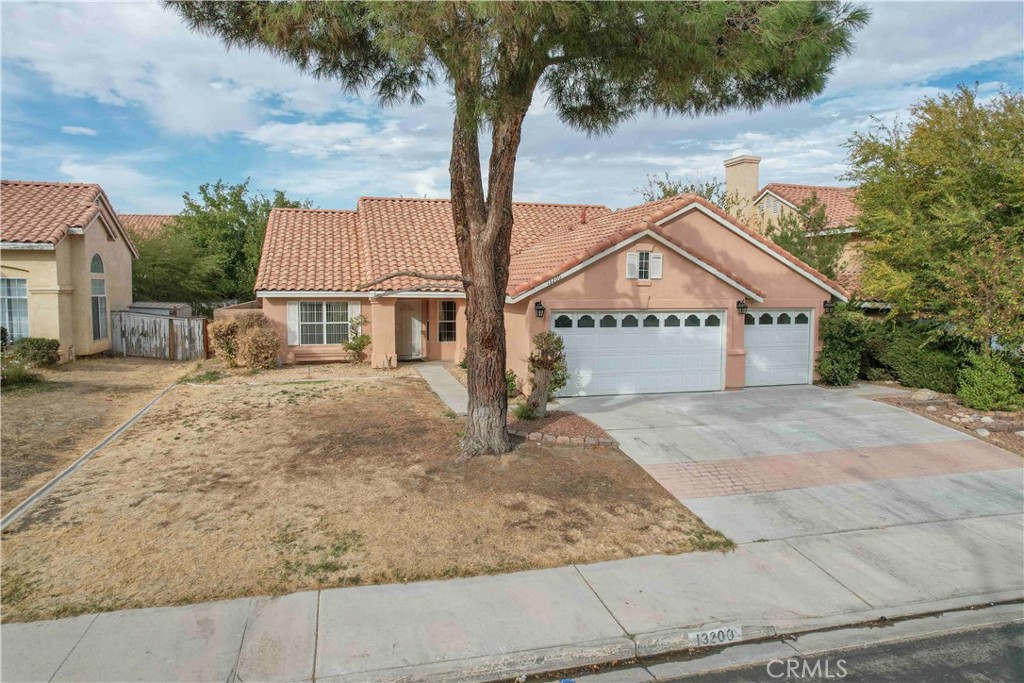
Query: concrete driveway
[{"x": 785, "y": 462}]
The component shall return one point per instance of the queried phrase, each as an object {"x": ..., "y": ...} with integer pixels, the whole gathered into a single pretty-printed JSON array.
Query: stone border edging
[{"x": 563, "y": 440}]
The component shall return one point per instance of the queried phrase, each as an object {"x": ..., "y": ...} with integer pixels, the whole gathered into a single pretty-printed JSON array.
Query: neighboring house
[
  {"x": 170, "y": 308},
  {"x": 145, "y": 225},
  {"x": 65, "y": 263},
  {"x": 758, "y": 205},
  {"x": 674, "y": 295}
]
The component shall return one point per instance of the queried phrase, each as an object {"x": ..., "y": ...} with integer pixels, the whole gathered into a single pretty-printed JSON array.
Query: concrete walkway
[
  {"x": 442, "y": 383},
  {"x": 502, "y": 626}
]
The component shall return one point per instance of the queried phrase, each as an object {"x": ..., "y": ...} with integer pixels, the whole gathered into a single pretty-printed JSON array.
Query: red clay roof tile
[{"x": 43, "y": 212}]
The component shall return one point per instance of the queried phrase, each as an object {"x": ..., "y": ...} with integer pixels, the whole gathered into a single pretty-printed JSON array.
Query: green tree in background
[
  {"x": 173, "y": 267},
  {"x": 231, "y": 221},
  {"x": 805, "y": 234},
  {"x": 664, "y": 186},
  {"x": 942, "y": 213},
  {"x": 596, "y": 63}
]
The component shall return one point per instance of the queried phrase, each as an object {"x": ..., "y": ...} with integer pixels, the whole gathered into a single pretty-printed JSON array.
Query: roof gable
[
  {"x": 145, "y": 225},
  {"x": 840, "y": 208},
  {"x": 45, "y": 212}
]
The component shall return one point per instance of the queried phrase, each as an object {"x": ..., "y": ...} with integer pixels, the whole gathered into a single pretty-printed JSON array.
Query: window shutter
[
  {"x": 632, "y": 265},
  {"x": 354, "y": 308},
  {"x": 656, "y": 266},
  {"x": 293, "y": 323}
]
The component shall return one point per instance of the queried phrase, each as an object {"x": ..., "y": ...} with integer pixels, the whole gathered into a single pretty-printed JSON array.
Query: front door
[{"x": 408, "y": 330}]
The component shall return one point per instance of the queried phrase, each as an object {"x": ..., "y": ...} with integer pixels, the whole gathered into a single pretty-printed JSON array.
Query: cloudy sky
[{"x": 122, "y": 94}]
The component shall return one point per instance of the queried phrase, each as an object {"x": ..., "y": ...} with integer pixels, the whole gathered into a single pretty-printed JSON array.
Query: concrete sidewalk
[
  {"x": 442, "y": 383},
  {"x": 506, "y": 625}
]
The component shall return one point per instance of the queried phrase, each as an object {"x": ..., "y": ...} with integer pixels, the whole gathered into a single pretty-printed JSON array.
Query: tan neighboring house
[
  {"x": 65, "y": 264},
  {"x": 757, "y": 204},
  {"x": 145, "y": 225}
]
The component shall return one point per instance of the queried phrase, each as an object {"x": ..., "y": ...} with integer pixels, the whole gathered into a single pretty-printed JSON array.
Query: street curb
[{"x": 40, "y": 493}]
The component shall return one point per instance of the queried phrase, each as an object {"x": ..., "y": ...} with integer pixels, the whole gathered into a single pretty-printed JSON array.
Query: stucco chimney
[{"x": 741, "y": 179}]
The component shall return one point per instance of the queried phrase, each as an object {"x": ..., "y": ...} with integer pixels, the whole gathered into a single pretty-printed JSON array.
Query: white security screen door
[{"x": 408, "y": 330}]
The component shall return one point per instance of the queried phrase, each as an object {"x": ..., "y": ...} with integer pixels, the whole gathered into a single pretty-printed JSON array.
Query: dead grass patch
[
  {"x": 50, "y": 423},
  {"x": 229, "y": 490}
]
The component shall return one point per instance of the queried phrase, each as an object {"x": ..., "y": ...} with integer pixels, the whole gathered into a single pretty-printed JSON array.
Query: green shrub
[
  {"x": 357, "y": 343},
  {"x": 257, "y": 347},
  {"x": 524, "y": 411},
  {"x": 842, "y": 335},
  {"x": 989, "y": 383},
  {"x": 919, "y": 355},
  {"x": 14, "y": 370},
  {"x": 511, "y": 384},
  {"x": 37, "y": 351}
]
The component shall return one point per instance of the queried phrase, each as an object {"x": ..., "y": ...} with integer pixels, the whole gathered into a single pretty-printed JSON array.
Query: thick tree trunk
[
  {"x": 483, "y": 235},
  {"x": 539, "y": 394}
]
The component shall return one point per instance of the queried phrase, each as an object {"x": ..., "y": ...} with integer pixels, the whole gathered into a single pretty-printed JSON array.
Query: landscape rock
[
  {"x": 981, "y": 431},
  {"x": 955, "y": 419},
  {"x": 1020, "y": 433},
  {"x": 922, "y": 395},
  {"x": 987, "y": 420},
  {"x": 535, "y": 436},
  {"x": 931, "y": 409}
]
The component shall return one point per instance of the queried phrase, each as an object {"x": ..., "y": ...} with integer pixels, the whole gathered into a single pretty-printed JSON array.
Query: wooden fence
[{"x": 158, "y": 336}]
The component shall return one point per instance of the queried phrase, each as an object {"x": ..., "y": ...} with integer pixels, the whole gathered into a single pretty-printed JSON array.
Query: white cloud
[
  {"x": 130, "y": 189},
  {"x": 78, "y": 130}
]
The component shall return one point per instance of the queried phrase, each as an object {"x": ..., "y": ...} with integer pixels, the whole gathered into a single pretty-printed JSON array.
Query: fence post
[{"x": 170, "y": 339}]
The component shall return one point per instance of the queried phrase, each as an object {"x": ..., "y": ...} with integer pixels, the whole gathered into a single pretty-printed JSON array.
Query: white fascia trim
[
  {"x": 766, "y": 249},
  {"x": 76, "y": 231},
  {"x": 836, "y": 231},
  {"x": 28, "y": 246},
  {"x": 624, "y": 243},
  {"x": 311, "y": 294},
  {"x": 784, "y": 201}
]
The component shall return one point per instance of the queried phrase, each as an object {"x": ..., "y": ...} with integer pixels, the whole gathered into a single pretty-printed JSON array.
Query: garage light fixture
[
  {"x": 741, "y": 306},
  {"x": 539, "y": 309},
  {"x": 829, "y": 306}
]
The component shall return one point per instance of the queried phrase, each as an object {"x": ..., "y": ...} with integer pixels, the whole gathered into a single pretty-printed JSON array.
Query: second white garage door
[
  {"x": 778, "y": 347},
  {"x": 640, "y": 352}
]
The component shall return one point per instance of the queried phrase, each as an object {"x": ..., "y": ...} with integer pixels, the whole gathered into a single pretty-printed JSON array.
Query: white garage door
[
  {"x": 778, "y": 347},
  {"x": 640, "y": 352}
]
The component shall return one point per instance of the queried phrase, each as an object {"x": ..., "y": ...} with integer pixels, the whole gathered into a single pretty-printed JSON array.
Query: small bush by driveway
[{"x": 256, "y": 487}]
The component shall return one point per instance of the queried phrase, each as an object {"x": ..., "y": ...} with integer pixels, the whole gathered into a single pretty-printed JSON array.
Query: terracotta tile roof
[
  {"x": 840, "y": 208},
  {"x": 43, "y": 212},
  {"x": 145, "y": 224},
  {"x": 562, "y": 252},
  {"x": 311, "y": 250},
  {"x": 317, "y": 250},
  {"x": 403, "y": 234}
]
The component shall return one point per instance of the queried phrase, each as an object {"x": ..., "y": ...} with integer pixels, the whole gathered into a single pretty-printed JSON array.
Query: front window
[
  {"x": 323, "y": 322},
  {"x": 99, "y": 309},
  {"x": 14, "y": 306},
  {"x": 446, "y": 322},
  {"x": 96, "y": 266},
  {"x": 643, "y": 265}
]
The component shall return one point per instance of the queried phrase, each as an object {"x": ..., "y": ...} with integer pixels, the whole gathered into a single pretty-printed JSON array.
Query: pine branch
[{"x": 416, "y": 274}]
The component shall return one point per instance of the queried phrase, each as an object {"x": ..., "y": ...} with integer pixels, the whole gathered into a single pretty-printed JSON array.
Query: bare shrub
[{"x": 257, "y": 347}]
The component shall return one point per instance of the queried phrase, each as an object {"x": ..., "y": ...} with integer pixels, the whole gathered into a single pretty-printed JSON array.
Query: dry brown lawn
[
  {"x": 50, "y": 423},
  {"x": 252, "y": 487}
]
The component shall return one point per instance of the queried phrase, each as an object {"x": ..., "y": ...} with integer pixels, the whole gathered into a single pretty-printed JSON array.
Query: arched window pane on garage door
[
  {"x": 784, "y": 319},
  {"x": 692, "y": 321},
  {"x": 765, "y": 319},
  {"x": 563, "y": 321},
  {"x": 801, "y": 318},
  {"x": 672, "y": 321},
  {"x": 609, "y": 321},
  {"x": 585, "y": 321},
  {"x": 630, "y": 321},
  {"x": 748, "y": 319},
  {"x": 652, "y": 321},
  {"x": 712, "y": 321}
]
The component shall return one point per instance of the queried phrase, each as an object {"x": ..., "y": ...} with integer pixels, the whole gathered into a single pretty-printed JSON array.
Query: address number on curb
[{"x": 715, "y": 636}]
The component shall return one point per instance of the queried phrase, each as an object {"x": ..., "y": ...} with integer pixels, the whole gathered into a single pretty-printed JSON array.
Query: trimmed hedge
[
  {"x": 36, "y": 351},
  {"x": 842, "y": 335}
]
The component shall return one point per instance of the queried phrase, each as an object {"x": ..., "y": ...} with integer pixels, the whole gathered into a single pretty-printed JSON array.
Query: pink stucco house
[{"x": 674, "y": 295}]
